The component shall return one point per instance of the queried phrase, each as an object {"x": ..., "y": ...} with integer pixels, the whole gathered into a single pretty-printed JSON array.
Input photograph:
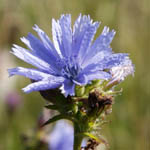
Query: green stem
[
  {"x": 77, "y": 142},
  {"x": 78, "y": 137}
]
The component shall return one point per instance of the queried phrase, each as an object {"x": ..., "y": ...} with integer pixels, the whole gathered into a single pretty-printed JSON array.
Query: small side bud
[{"x": 79, "y": 90}]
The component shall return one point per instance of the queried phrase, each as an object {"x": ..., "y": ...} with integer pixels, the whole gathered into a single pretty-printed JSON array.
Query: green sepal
[
  {"x": 79, "y": 90},
  {"x": 90, "y": 87}
]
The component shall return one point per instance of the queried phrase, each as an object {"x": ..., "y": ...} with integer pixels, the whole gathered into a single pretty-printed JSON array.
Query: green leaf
[
  {"x": 49, "y": 106},
  {"x": 98, "y": 139},
  {"x": 56, "y": 118}
]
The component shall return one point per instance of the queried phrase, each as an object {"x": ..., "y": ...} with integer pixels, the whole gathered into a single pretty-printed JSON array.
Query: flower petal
[
  {"x": 113, "y": 60},
  {"x": 80, "y": 27},
  {"x": 29, "y": 73},
  {"x": 40, "y": 50},
  {"x": 102, "y": 43},
  {"x": 81, "y": 79},
  {"x": 49, "y": 83},
  {"x": 46, "y": 41},
  {"x": 106, "y": 63},
  {"x": 65, "y": 24},
  {"x": 57, "y": 37},
  {"x": 103, "y": 40},
  {"x": 87, "y": 39},
  {"x": 69, "y": 88},
  {"x": 97, "y": 75},
  {"x": 99, "y": 56},
  {"x": 30, "y": 58}
]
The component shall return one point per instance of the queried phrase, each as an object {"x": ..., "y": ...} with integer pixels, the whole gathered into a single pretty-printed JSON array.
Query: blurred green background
[{"x": 130, "y": 126}]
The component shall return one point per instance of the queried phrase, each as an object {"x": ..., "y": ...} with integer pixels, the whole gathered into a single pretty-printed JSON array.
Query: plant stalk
[{"x": 78, "y": 137}]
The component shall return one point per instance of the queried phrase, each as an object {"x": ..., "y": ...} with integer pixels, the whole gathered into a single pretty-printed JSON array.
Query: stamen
[{"x": 71, "y": 68}]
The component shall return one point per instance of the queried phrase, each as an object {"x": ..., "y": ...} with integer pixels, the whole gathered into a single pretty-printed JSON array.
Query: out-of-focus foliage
[{"x": 130, "y": 127}]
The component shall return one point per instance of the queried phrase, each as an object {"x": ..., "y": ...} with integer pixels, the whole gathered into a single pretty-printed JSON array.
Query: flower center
[{"x": 71, "y": 68}]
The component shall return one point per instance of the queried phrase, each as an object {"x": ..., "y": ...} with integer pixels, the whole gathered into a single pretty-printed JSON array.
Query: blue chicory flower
[
  {"x": 72, "y": 59},
  {"x": 61, "y": 138}
]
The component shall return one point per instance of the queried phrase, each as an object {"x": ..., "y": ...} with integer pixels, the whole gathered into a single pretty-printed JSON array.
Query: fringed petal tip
[
  {"x": 68, "y": 88},
  {"x": 36, "y": 27},
  {"x": 26, "y": 90}
]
